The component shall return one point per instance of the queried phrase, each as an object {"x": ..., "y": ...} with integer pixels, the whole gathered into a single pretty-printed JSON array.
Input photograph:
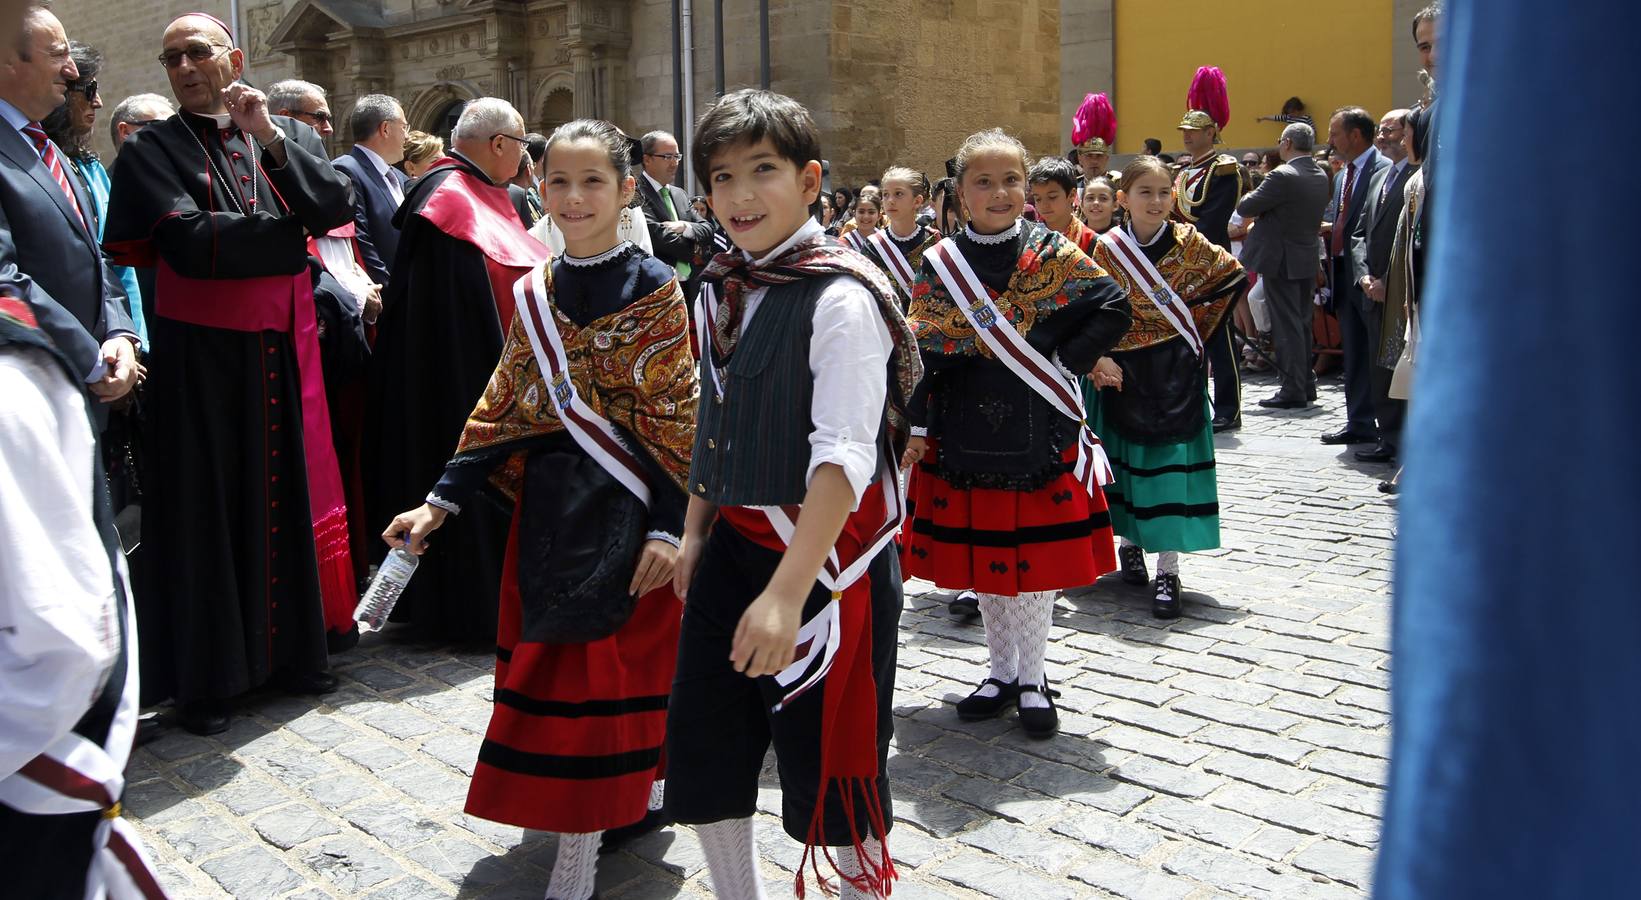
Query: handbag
[
  {"x": 580, "y": 533},
  {"x": 1401, "y": 378}
]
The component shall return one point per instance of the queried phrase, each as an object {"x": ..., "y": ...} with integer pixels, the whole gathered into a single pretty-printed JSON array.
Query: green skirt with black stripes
[{"x": 1166, "y": 496}]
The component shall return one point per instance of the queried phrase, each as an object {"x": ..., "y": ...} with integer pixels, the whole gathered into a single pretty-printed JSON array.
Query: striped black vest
[{"x": 752, "y": 443}]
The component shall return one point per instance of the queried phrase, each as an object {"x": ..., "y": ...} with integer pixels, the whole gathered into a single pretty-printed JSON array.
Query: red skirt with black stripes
[
  {"x": 576, "y": 736},
  {"x": 1006, "y": 542}
]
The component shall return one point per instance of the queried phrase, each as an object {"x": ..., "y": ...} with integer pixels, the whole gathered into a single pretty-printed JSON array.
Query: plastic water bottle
[{"x": 391, "y": 578}]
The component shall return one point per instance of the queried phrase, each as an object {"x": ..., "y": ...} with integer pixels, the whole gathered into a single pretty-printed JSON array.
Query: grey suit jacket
[
  {"x": 53, "y": 260},
  {"x": 1376, "y": 230},
  {"x": 373, "y": 211},
  {"x": 1288, "y": 205}
]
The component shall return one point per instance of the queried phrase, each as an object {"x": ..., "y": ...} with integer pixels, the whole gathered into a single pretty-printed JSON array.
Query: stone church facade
[{"x": 879, "y": 75}]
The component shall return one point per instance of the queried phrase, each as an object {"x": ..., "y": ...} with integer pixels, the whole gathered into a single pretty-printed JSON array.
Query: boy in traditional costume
[
  {"x": 793, "y": 587},
  {"x": 1009, "y": 501},
  {"x": 1153, "y": 411},
  {"x": 1053, "y": 184},
  {"x": 1205, "y": 195},
  {"x": 586, "y": 427}
]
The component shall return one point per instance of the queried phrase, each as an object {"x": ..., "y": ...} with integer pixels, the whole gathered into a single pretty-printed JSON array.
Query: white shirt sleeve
[
  {"x": 848, "y": 358},
  {"x": 58, "y": 634}
]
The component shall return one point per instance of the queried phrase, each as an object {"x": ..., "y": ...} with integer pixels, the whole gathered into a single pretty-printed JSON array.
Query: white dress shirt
[
  {"x": 382, "y": 169},
  {"x": 58, "y": 631},
  {"x": 848, "y": 358}
]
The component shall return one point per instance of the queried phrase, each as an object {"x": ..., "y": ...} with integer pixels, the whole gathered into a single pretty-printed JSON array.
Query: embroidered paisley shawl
[
  {"x": 1050, "y": 273},
  {"x": 1200, "y": 271},
  {"x": 633, "y": 367}
]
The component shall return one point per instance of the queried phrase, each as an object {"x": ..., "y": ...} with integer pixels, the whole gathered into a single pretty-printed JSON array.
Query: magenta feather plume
[
  {"x": 1094, "y": 118},
  {"x": 1209, "y": 94}
]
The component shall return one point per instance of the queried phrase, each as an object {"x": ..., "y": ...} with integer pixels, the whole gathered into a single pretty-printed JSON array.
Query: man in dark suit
[
  {"x": 378, "y": 129},
  {"x": 1351, "y": 132},
  {"x": 1370, "y": 259},
  {"x": 1281, "y": 247},
  {"x": 675, "y": 229},
  {"x": 54, "y": 253}
]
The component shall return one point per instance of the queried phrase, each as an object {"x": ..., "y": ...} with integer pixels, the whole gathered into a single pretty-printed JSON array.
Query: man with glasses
[
  {"x": 52, "y": 218},
  {"x": 445, "y": 312},
  {"x": 378, "y": 129},
  {"x": 675, "y": 230},
  {"x": 132, "y": 114},
  {"x": 244, "y": 516},
  {"x": 304, "y": 102}
]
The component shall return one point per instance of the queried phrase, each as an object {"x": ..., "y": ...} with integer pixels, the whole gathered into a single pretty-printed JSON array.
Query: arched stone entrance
[
  {"x": 436, "y": 109},
  {"x": 557, "y": 109}
]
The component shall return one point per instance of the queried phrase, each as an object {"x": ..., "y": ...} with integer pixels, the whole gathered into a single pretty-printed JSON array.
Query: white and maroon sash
[
  {"x": 1046, "y": 378},
  {"x": 855, "y": 241},
  {"x": 896, "y": 261},
  {"x": 76, "y": 775},
  {"x": 1128, "y": 254},
  {"x": 819, "y": 636},
  {"x": 591, "y": 431}
]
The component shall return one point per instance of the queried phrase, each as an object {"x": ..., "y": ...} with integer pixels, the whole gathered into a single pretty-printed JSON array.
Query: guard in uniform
[
  {"x": 1205, "y": 194},
  {"x": 1094, "y": 139}
]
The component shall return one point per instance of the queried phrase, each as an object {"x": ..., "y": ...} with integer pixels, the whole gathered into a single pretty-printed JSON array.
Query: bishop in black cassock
[{"x": 244, "y": 520}]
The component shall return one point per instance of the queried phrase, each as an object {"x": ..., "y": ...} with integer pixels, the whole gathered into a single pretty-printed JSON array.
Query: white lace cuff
[{"x": 448, "y": 506}]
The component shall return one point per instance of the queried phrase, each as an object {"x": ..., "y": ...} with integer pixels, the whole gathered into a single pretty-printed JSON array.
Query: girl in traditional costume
[
  {"x": 1098, "y": 208},
  {"x": 1008, "y": 488},
  {"x": 1153, "y": 411},
  {"x": 868, "y": 218},
  {"x": 899, "y": 245},
  {"x": 586, "y": 425}
]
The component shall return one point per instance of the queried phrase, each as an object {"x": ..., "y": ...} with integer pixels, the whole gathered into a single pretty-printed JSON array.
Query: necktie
[
  {"x": 48, "y": 155},
  {"x": 393, "y": 187},
  {"x": 1341, "y": 221},
  {"x": 684, "y": 269}
]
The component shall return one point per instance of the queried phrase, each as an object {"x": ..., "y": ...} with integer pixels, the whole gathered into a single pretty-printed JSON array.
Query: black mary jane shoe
[
  {"x": 1165, "y": 604},
  {"x": 1040, "y": 722},
  {"x": 1132, "y": 561},
  {"x": 616, "y": 838},
  {"x": 204, "y": 717},
  {"x": 974, "y": 707},
  {"x": 305, "y": 684},
  {"x": 965, "y": 605}
]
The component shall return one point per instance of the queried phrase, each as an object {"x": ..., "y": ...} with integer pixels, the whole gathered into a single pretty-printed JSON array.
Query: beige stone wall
[{"x": 1087, "y": 63}]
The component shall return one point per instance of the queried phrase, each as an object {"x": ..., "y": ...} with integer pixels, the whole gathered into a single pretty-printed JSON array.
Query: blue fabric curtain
[{"x": 1516, "y": 759}]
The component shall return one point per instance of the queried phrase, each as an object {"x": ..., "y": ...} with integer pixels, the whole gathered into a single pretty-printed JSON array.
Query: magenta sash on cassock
[{"x": 283, "y": 303}]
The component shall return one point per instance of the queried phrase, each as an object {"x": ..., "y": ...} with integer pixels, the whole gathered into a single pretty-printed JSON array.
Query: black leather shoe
[
  {"x": 204, "y": 717},
  {"x": 1040, "y": 722},
  {"x": 1281, "y": 402},
  {"x": 974, "y": 707},
  {"x": 306, "y": 683},
  {"x": 1349, "y": 437},
  {"x": 1165, "y": 604},
  {"x": 1310, "y": 393},
  {"x": 1132, "y": 560},
  {"x": 616, "y": 838},
  {"x": 1227, "y": 423},
  {"x": 1389, "y": 487},
  {"x": 1379, "y": 453},
  {"x": 965, "y": 605}
]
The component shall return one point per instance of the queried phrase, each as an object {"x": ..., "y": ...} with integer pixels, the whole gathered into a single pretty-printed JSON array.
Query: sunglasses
[
  {"x": 322, "y": 117},
  {"x": 196, "y": 53},
  {"x": 88, "y": 88}
]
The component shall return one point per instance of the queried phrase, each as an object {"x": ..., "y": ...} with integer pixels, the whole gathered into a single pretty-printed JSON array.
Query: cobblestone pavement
[{"x": 1237, "y": 752}]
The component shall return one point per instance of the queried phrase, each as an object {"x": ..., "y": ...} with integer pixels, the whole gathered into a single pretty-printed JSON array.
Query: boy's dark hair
[
  {"x": 1054, "y": 170},
  {"x": 1292, "y": 106},
  {"x": 748, "y": 116},
  {"x": 1153, "y": 147}
]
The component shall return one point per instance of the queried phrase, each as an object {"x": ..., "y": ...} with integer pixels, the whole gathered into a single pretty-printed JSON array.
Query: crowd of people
[{"x": 235, "y": 364}]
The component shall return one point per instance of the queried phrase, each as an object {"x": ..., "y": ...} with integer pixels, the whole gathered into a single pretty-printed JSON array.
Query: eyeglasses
[
  {"x": 196, "y": 53},
  {"x": 674, "y": 157},
  {"x": 88, "y": 88},
  {"x": 510, "y": 137},
  {"x": 323, "y": 116}
]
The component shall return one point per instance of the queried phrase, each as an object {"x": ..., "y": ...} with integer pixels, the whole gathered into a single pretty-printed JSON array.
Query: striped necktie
[{"x": 54, "y": 162}]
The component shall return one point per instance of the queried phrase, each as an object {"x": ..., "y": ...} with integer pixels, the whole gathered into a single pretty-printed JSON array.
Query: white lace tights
[{"x": 1017, "y": 636}]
